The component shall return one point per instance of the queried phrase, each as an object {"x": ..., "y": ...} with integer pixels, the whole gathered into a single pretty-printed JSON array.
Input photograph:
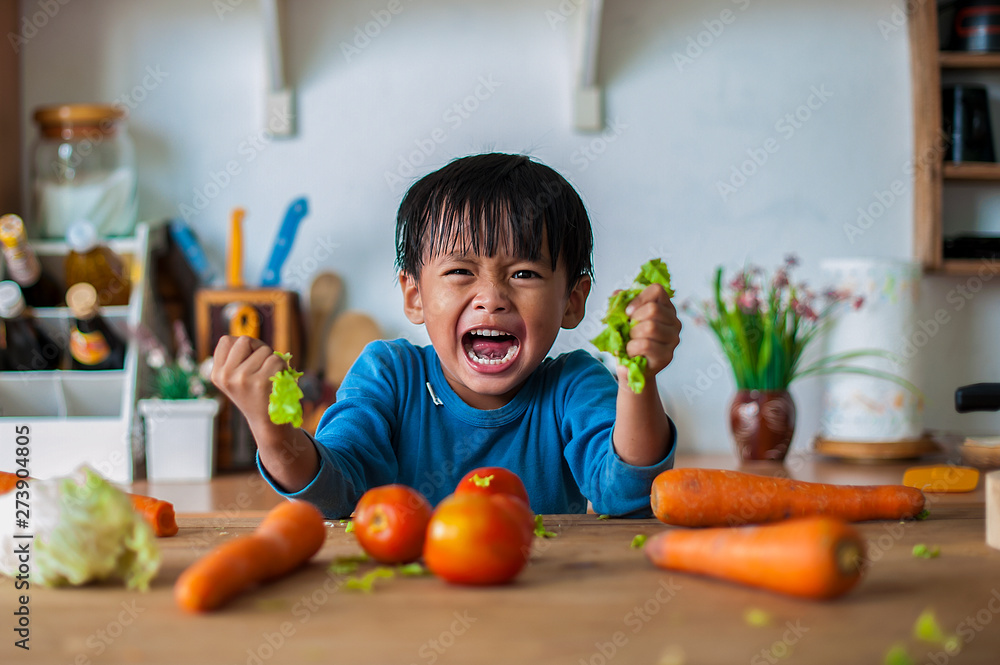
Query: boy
[{"x": 494, "y": 253}]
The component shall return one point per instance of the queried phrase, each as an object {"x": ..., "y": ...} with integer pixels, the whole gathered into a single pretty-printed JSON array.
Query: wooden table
[{"x": 586, "y": 597}]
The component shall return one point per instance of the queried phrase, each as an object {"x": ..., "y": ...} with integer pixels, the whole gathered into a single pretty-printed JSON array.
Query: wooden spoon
[
  {"x": 349, "y": 334},
  {"x": 324, "y": 296}
]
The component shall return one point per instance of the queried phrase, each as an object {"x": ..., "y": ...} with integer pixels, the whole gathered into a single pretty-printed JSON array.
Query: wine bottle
[
  {"x": 93, "y": 343},
  {"x": 37, "y": 286},
  {"x": 26, "y": 346}
]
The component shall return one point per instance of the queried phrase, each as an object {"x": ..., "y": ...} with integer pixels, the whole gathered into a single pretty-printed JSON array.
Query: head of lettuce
[{"x": 83, "y": 530}]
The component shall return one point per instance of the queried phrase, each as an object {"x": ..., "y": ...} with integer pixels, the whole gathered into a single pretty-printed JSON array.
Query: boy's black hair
[{"x": 493, "y": 201}]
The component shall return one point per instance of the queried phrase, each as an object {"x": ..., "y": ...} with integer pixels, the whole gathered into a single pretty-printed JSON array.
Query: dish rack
[{"x": 79, "y": 417}]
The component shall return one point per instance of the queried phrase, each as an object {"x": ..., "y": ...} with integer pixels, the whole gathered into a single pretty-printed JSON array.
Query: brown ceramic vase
[{"x": 762, "y": 422}]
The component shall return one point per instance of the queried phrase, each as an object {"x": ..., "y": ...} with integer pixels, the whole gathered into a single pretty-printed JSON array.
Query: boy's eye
[
  {"x": 458, "y": 271},
  {"x": 525, "y": 274}
]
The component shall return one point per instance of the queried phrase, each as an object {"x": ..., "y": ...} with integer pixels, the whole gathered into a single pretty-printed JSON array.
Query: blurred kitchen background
[{"x": 386, "y": 91}]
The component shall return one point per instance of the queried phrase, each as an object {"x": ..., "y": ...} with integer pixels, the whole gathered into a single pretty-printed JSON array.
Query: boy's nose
[{"x": 491, "y": 298}]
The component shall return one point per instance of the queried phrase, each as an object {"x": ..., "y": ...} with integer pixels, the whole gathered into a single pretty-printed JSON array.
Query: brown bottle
[
  {"x": 91, "y": 262},
  {"x": 93, "y": 344},
  {"x": 39, "y": 289},
  {"x": 24, "y": 345}
]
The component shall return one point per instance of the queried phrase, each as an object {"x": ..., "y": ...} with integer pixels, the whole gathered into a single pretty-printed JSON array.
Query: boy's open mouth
[{"x": 488, "y": 346}]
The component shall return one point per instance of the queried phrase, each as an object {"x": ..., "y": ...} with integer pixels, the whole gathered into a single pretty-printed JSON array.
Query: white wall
[{"x": 675, "y": 130}]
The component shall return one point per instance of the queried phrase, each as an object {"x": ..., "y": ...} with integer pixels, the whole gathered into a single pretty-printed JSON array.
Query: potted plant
[
  {"x": 764, "y": 325},
  {"x": 179, "y": 417}
]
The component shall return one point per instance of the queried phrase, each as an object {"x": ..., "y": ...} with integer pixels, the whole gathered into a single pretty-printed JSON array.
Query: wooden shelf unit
[
  {"x": 931, "y": 171},
  {"x": 968, "y": 60},
  {"x": 982, "y": 171}
]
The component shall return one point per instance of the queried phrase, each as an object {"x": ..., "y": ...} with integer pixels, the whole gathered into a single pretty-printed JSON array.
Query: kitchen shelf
[
  {"x": 79, "y": 416},
  {"x": 968, "y": 60},
  {"x": 988, "y": 171},
  {"x": 965, "y": 267},
  {"x": 931, "y": 172}
]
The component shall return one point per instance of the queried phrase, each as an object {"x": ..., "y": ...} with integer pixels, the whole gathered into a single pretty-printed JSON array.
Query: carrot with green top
[
  {"x": 814, "y": 557},
  {"x": 159, "y": 514},
  {"x": 714, "y": 497},
  {"x": 287, "y": 538}
]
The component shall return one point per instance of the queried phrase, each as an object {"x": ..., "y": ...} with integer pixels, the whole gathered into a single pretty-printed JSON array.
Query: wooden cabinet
[
  {"x": 10, "y": 112},
  {"x": 933, "y": 174}
]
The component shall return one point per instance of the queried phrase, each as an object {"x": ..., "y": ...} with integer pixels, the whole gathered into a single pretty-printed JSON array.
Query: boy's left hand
[{"x": 655, "y": 329}]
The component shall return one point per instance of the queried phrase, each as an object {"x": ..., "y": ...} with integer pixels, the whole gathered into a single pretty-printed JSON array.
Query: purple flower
[
  {"x": 791, "y": 260},
  {"x": 748, "y": 301},
  {"x": 780, "y": 280}
]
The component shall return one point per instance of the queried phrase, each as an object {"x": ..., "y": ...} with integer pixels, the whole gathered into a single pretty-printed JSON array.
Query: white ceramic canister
[{"x": 861, "y": 408}]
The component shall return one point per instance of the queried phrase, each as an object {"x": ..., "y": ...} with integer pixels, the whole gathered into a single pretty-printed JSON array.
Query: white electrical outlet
[{"x": 279, "y": 113}]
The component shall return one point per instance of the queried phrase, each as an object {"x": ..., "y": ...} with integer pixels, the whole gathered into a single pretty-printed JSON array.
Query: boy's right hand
[{"x": 242, "y": 370}]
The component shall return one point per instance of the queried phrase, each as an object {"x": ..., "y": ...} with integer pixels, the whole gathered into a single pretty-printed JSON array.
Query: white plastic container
[{"x": 180, "y": 438}]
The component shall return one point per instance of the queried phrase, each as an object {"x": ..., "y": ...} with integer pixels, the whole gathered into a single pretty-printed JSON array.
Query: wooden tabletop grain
[{"x": 586, "y": 597}]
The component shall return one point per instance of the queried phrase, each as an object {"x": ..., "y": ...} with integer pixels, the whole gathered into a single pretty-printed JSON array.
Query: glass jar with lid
[{"x": 83, "y": 166}]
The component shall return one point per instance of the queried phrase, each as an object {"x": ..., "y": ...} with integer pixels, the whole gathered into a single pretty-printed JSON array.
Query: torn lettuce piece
[
  {"x": 85, "y": 530},
  {"x": 285, "y": 402},
  {"x": 615, "y": 337}
]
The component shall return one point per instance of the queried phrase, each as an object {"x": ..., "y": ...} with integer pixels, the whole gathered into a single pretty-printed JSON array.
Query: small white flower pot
[{"x": 180, "y": 438}]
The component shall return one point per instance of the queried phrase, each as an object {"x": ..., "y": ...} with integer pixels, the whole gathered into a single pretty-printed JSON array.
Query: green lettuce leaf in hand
[
  {"x": 85, "y": 530},
  {"x": 615, "y": 336},
  {"x": 285, "y": 403}
]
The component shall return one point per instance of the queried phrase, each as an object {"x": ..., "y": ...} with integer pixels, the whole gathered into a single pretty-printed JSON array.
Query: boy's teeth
[{"x": 487, "y": 333}]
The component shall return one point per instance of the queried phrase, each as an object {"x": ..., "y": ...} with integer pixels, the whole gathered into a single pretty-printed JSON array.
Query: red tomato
[
  {"x": 493, "y": 480},
  {"x": 479, "y": 538},
  {"x": 390, "y": 522}
]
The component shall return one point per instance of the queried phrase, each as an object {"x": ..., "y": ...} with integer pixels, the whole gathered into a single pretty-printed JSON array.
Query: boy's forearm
[
  {"x": 642, "y": 429},
  {"x": 287, "y": 453}
]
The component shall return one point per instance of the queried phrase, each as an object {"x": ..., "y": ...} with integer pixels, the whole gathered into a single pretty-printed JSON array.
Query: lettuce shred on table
[
  {"x": 285, "y": 403},
  {"x": 84, "y": 530},
  {"x": 615, "y": 337}
]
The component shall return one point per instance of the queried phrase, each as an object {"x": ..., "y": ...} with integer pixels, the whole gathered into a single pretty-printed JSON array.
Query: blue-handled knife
[{"x": 283, "y": 243}]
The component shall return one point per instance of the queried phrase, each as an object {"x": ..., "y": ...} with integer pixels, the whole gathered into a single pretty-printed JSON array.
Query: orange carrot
[
  {"x": 288, "y": 537},
  {"x": 812, "y": 557},
  {"x": 8, "y": 481},
  {"x": 712, "y": 497},
  {"x": 159, "y": 514}
]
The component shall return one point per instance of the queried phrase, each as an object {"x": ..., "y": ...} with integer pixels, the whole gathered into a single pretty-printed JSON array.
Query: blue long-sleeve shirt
[{"x": 396, "y": 420}]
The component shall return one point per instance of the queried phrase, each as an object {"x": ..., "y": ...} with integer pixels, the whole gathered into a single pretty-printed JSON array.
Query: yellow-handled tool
[{"x": 234, "y": 262}]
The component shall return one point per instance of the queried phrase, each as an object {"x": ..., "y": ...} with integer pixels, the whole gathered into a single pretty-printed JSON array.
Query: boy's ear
[
  {"x": 413, "y": 306},
  {"x": 576, "y": 306}
]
